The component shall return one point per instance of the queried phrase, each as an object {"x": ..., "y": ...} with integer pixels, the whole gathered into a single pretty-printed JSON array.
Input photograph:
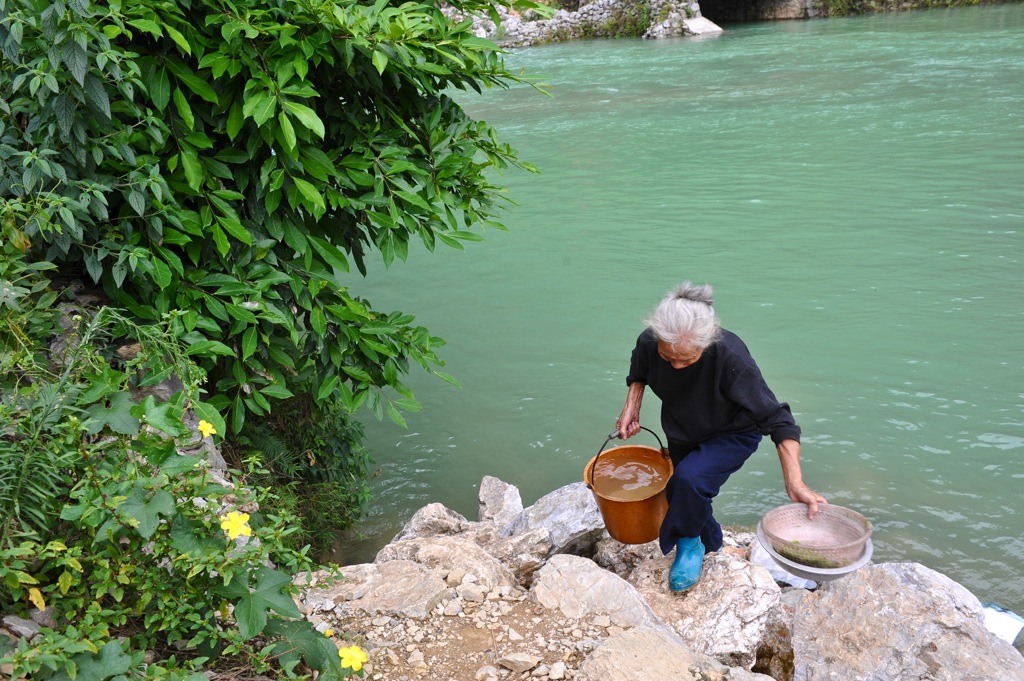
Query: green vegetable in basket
[{"x": 806, "y": 558}]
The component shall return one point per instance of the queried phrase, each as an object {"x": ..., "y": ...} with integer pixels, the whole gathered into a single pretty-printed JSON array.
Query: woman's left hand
[
  {"x": 802, "y": 494},
  {"x": 789, "y": 457}
]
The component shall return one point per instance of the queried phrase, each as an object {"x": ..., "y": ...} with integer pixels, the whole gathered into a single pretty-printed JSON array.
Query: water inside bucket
[{"x": 627, "y": 481}]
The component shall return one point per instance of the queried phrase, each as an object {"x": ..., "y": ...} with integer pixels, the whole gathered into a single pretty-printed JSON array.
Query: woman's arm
[
  {"x": 629, "y": 420},
  {"x": 789, "y": 457}
]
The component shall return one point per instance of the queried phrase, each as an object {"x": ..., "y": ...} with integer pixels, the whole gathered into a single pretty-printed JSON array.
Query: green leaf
[
  {"x": 260, "y": 107},
  {"x": 327, "y": 387},
  {"x": 184, "y": 110},
  {"x": 207, "y": 413},
  {"x": 220, "y": 239},
  {"x": 240, "y": 313},
  {"x": 192, "y": 539},
  {"x": 447, "y": 378},
  {"x": 178, "y": 38},
  {"x": 235, "y": 120},
  {"x": 148, "y": 512},
  {"x": 467, "y": 236},
  {"x": 277, "y": 391},
  {"x": 237, "y": 414},
  {"x": 310, "y": 193},
  {"x": 191, "y": 81},
  {"x": 357, "y": 373},
  {"x": 287, "y": 131},
  {"x": 176, "y": 465},
  {"x": 307, "y": 117},
  {"x": 318, "y": 320},
  {"x": 165, "y": 417},
  {"x": 395, "y": 416},
  {"x": 414, "y": 199},
  {"x": 380, "y": 61},
  {"x": 115, "y": 414},
  {"x": 75, "y": 58},
  {"x": 317, "y": 163},
  {"x": 111, "y": 662},
  {"x": 148, "y": 26},
  {"x": 210, "y": 347},
  {"x": 137, "y": 201},
  {"x": 302, "y": 640},
  {"x": 159, "y": 86},
  {"x": 161, "y": 273},
  {"x": 249, "y": 339},
  {"x": 252, "y": 604},
  {"x": 233, "y": 227},
  {"x": 190, "y": 164},
  {"x": 378, "y": 329},
  {"x": 330, "y": 253},
  {"x": 64, "y": 107}
]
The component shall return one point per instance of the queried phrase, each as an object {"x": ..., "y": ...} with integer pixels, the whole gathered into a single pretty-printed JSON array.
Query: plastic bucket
[{"x": 630, "y": 520}]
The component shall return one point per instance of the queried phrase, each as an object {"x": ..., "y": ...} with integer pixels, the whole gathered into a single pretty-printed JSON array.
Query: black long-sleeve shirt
[{"x": 723, "y": 392}]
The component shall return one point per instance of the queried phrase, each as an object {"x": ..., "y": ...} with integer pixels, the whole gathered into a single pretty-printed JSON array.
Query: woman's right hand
[{"x": 628, "y": 424}]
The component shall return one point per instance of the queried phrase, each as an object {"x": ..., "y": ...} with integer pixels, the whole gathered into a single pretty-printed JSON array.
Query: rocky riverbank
[
  {"x": 656, "y": 19},
  {"x": 595, "y": 19},
  {"x": 544, "y": 593}
]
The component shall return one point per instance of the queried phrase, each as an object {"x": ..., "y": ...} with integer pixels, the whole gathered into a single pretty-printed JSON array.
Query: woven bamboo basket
[{"x": 835, "y": 538}]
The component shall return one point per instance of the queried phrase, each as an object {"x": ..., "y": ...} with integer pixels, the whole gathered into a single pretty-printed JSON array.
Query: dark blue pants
[{"x": 699, "y": 475}]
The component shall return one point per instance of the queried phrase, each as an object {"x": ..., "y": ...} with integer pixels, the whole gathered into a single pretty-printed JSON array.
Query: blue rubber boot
[{"x": 685, "y": 571}]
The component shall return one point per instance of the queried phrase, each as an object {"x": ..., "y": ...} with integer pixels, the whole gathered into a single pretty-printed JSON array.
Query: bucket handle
[{"x": 613, "y": 436}]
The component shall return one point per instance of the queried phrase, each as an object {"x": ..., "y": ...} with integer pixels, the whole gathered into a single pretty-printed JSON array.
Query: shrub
[
  {"x": 127, "y": 537},
  {"x": 214, "y": 170},
  {"x": 233, "y": 161},
  {"x": 312, "y": 457}
]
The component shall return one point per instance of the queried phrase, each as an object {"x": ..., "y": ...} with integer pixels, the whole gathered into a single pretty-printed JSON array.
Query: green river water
[{"x": 854, "y": 189}]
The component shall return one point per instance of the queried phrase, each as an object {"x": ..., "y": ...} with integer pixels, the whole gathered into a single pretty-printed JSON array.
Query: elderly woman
[{"x": 715, "y": 407}]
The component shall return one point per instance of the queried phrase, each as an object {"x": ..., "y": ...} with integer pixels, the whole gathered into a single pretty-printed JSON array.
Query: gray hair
[{"x": 685, "y": 317}]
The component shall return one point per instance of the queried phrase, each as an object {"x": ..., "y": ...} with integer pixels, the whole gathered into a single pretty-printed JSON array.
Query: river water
[{"x": 853, "y": 188}]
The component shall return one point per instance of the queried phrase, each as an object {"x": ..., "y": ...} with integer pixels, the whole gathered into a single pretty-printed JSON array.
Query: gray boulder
[
  {"x": 578, "y": 587},
  {"x": 621, "y": 558},
  {"x": 569, "y": 514},
  {"x": 655, "y": 655},
  {"x": 775, "y": 653},
  {"x": 897, "y": 621},
  {"x": 448, "y": 555},
  {"x": 433, "y": 520},
  {"x": 725, "y": 615},
  {"x": 396, "y": 588},
  {"x": 523, "y": 554},
  {"x": 498, "y": 502}
]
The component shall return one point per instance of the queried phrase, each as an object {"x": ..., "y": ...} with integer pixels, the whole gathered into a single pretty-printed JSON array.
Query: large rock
[
  {"x": 897, "y": 621},
  {"x": 724, "y": 615},
  {"x": 433, "y": 520},
  {"x": 700, "y": 26},
  {"x": 396, "y": 588},
  {"x": 775, "y": 653},
  {"x": 448, "y": 556},
  {"x": 655, "y": 655},
  {"x": 578, "y": 587},
  {"x": 523, "y": 554},
  {"x": 498, "y": 502},
  {"x": 569, "y": 514},
  {"x": 621, "y": 558}
]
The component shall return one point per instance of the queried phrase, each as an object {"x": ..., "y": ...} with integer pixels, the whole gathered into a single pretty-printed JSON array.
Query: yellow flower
[
  {"x": 352, "y": 657},
  {"x": 206, "y": 428},
  {"x": 235, "y": 524},
  {"x": 328, "y": 632}
]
